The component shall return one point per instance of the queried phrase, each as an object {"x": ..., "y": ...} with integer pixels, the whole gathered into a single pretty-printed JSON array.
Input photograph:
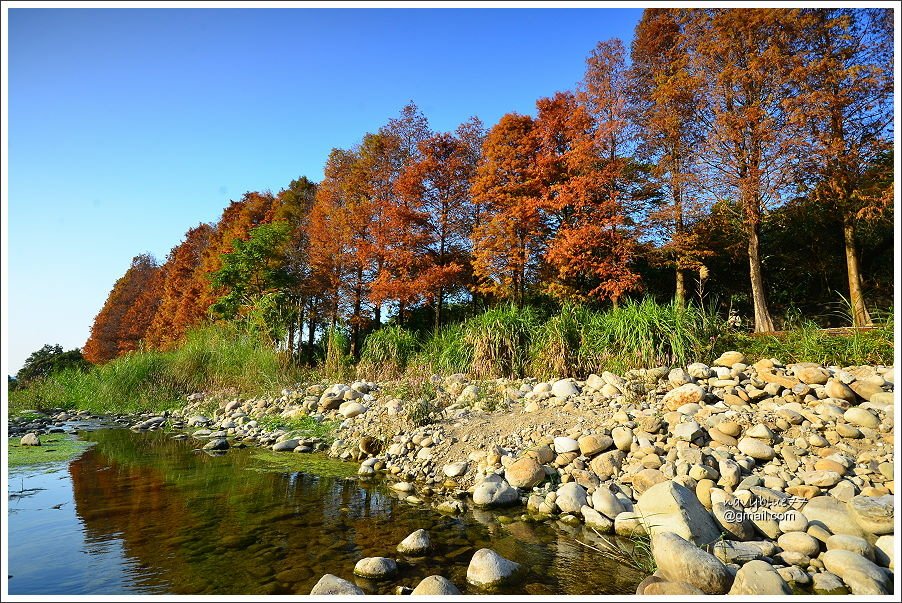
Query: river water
[{"x": 141, "y": 513}]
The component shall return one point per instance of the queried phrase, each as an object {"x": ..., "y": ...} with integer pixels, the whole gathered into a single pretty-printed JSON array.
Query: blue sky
[{"x": 129, "y": 126}]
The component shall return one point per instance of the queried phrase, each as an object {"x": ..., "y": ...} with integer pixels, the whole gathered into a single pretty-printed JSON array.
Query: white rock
[
  {"x": 571, "y": 497},
  {"x": 564, "y": 444},
  {"x": 375, "y": 567},
  {"x": 333, "y": 585},
  {"x": 488, "y": 568},
  {"x": 435, "y": 585},
  {"x": 564, "y": 388},
  {"x": 416, "y": 544}
]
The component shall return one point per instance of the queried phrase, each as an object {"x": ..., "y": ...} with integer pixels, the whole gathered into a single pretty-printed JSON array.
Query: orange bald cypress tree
[
  {"x": 746, "y": 58},
  {"x": 845, "y": 68},
  {"x": 434, "y": 190},
  {"x": 664, "y": 96},
  {"x": 509, "y": 242},
  {"x": 115, "y": 331},
  {"x": 180, "y": 290}
]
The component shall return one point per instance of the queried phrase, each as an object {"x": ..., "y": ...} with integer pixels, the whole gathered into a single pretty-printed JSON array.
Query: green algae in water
[
  {"x": 53, "y": 449},
  {"x": 314, "y": 464}
]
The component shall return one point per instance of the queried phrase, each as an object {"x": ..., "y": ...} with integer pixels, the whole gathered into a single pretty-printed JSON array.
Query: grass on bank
[
  {"x": 214, "y": 357},
  {"x": 503, "y": 342}
]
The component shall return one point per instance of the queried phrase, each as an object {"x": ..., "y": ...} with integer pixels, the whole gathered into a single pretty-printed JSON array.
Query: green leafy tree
[
  {"x": 256, "y": 278},
  {"x": 49, "y": 359}
]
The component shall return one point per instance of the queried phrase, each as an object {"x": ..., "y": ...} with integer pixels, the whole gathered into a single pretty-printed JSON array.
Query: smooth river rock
[
  {"x": 487, "y": 568},
  {"x": 435, "y": 585},
  {"x": 759, "y": 578},
  {"x": 681, "y": 561},
  {"x": 863, "y": 577},
  {"x": 671, "y": 507},
  {"x": 525, "y": 472},
  {"x": 874, "y": 514},
  {"x": 333, "y": 585},
  {"x": 495, "y": 492},
  {"x": 375, "y": 567},
  {"x": 418, "y": 543}
]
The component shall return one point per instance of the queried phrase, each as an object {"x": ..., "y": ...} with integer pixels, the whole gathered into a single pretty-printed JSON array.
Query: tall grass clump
[
  {"x": 645, "y": 334},
  {"x": 557, "y": 347},
  {"x": 337, "y": 365},
  {"x": 500, "y": 339},
  {"x": 133, "y": 383},
  {"x": 447, "y": 351},
  {"x": 228, "y": 356},
  {"x": 386, "y": 352}
]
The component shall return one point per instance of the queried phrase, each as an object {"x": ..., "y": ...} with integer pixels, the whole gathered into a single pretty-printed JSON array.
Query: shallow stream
[{"x": 142, "y": 513}]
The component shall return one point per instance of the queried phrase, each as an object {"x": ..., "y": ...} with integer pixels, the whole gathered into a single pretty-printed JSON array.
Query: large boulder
[
  {"x": 671, "y": 507},
  {"x": 435, "y": 585},
  {"x": 759, "y": 578},
  {"x": 831, "y": 513},
  {"x": 333, "y": 585},
  {"x": 863, "y": 577},
  {"x": 487, "y": 568},
  {"x": 525, "y": 472},
  {"x": 679, "y": 560},
  {"x": 495, "y": 492},
  {"x": 874, "y": 514}
]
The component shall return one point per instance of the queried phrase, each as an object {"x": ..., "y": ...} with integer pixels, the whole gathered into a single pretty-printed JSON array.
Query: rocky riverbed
[{"x": 747, "y": 478}]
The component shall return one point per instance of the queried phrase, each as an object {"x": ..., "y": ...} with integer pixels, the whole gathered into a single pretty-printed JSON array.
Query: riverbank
[{"x": 763, "y": 478}]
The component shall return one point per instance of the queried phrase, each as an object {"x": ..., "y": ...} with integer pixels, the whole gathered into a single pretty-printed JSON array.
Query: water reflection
[{"x": 159, "y": 517}]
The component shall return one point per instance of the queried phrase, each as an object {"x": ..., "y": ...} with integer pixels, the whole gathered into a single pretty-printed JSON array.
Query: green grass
[
  {"x": 809, "y": 343},
  {"x": 213, "y": 357},
  {"x": 387, "y": 352},
  {"x": 54, "y": 448},
  {"x": 500, "y": 339}
]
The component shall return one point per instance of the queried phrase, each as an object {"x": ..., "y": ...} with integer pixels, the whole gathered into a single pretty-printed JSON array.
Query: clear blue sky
[{"x": 128, "y": 126}]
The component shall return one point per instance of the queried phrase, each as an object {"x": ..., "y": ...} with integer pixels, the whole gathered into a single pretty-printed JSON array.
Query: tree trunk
[
  {"x": 763, "y": 321},
  {"x": 311, "y": 338},
  {"x": 296, "y": 354},
  {"x": 438, "y": 309},
  {"x": 860, "y": 315},
  {"x": 355, "y": 324},
  {"x": 680, "y": 295}
]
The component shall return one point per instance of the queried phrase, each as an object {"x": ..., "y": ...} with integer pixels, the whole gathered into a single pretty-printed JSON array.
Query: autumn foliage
[{"x": 723, "y": 119}]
